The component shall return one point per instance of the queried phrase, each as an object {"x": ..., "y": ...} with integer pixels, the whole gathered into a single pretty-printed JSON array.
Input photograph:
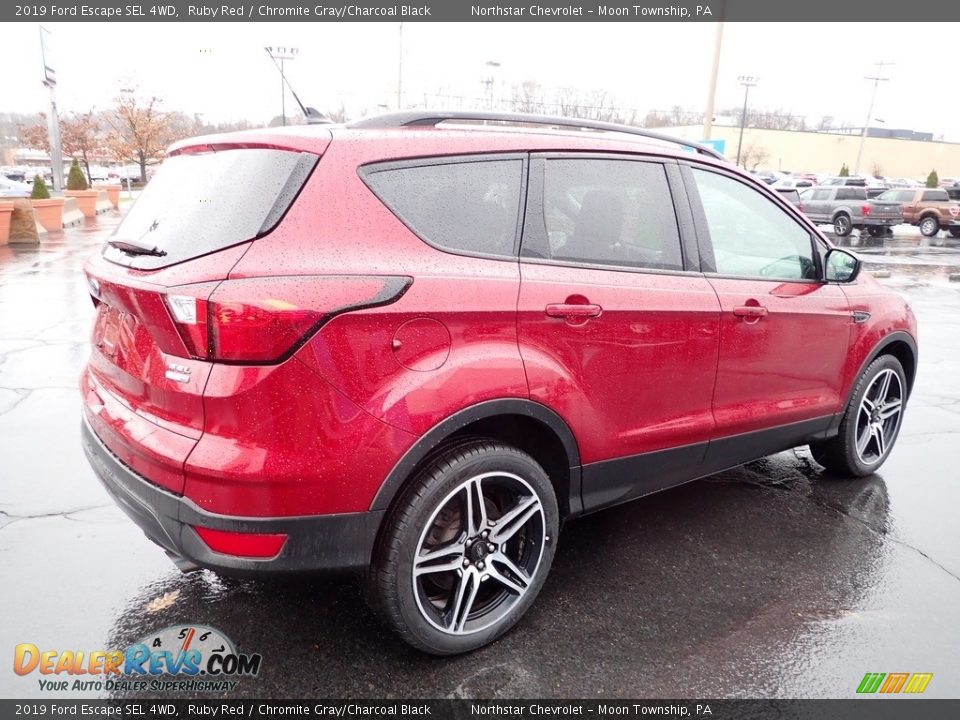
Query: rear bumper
[{"x": 323, "y": 542}]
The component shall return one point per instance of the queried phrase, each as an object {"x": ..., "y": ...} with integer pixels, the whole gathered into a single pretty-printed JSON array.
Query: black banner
[
  {"x": 873, "y": 709},
  {"x": 852, "y": 11}
]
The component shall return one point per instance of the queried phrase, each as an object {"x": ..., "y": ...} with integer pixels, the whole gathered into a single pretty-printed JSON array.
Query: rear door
[
  {"x": 783, "y": 333},
  {"x": 618, "y": 330}
]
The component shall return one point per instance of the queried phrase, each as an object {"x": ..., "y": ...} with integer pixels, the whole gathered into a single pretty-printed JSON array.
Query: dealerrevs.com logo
[{"x": 185, "y": 658}]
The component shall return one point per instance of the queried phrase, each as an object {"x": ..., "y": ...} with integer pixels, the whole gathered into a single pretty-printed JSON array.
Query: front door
[{"x": 784, "y": 334}]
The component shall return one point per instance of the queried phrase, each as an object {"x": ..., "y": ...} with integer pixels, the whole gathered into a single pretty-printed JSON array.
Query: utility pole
[
  {"x": 281, "y": 54},
  {"x": 400, "y": 71},
  {"x": 53, "y": 121},
  {"x": 748, "y": 81},
  {"x": 712, "y": 94},
  {"x": 877, "y": 79}
]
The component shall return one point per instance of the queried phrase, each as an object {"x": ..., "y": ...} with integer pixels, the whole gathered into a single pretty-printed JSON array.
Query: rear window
[
  {"x": 935, "y": 195},
  {"x": 200, "y": 203},
  {"x": 851, "y": 193},
  {"x": 468, "y": 207}
]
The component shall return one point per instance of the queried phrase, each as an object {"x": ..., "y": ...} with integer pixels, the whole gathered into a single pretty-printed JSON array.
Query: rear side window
[
  {"x": 202, "y": 202},
  {"x": 469, "y": 207},
  {"x": 935, "y": 195},
  {"x": 851, "y": 193},
  {"x": 611, "y": 212}
]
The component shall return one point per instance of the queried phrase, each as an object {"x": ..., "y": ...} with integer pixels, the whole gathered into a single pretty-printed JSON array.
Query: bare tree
[
  {"x": 753, "y": 156},
  {"x": 141, "y": 130},
  {"x": 81, "y": 136}
]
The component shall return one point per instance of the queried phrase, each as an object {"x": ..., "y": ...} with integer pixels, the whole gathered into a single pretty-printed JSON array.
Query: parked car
[
  {"x": 853, "y": 180},
  {"x": 791, "y": 195},
  {"x": 930, "y": 209},
  {"x": 953, "y": 192},
  {"x": 848, "y": 209},
  {"x": 14, "y": 189},
  {"x": 792, "y": 183},
  {"x": 417, "y": 349}
]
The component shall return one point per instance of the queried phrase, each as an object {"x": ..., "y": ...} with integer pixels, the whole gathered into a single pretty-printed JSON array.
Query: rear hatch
[
  {"x": 143, "y": 390},
  {"x": 885, "y": 209}
]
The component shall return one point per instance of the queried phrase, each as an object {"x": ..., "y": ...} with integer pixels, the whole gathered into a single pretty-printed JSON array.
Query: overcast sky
[{"x": 222, "y": 71}]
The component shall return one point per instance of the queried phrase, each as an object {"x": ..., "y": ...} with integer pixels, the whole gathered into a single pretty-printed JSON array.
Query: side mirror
[{"x": 841, "y": 266}]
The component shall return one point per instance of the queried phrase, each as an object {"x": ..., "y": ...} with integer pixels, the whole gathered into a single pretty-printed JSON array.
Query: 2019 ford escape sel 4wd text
[{"x": 418, "y": 343}]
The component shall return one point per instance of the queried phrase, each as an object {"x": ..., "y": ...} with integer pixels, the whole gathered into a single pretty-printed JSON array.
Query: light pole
[
  {"x": 748, "y": 81},
  {"x": 489, "y": 82},
  {"x": 712, "y": 93},
  {"x": 281, "y": 54},
  {"x": 873, "y": 96},
  {"x": 53, "y": 122},
  {"x": 400, "y": 71}
]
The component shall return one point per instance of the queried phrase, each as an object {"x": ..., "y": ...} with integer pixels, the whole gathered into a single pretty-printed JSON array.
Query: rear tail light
[
  {"x": 865, "y": 209},
  {"x": 264, "y": 320},
  {"x": 255, "y": 545}
]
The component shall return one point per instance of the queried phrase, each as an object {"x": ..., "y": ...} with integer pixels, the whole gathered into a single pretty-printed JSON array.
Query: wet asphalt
[{"x": 774, "y": 579}]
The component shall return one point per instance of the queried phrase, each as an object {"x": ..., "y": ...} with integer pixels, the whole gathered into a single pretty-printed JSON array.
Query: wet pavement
[{"x": 771, "y": 580}]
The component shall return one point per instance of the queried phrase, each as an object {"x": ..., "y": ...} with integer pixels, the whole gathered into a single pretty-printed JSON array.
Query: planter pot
[
  {"x": 49, "y": 213},
  {"x": 86, "y": 201},
  {"x": 6, "y": 210},
  {"x": 113, "y": 193},
  {"x": 23, "y": 223}
]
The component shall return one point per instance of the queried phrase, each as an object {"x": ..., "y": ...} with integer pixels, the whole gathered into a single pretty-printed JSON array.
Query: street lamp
[
  {"x": 281, "y": 54},
  {"x": 748, "y": 81}
]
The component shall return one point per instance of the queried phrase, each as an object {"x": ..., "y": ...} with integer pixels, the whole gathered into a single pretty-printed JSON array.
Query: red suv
[{"x": 418, "y": 343}]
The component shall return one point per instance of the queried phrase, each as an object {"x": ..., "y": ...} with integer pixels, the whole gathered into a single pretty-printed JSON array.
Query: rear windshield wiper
[{"x": 132, "y": 248}]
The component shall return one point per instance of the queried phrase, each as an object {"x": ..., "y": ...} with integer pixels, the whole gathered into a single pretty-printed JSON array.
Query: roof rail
[{"x": 424, "y": 118}]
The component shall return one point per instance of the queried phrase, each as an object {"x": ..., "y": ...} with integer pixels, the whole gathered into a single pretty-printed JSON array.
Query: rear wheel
[
  {"x": 842, "y": 225},
  {"x": 929, "y": 226},
  {"x": 876, "y": 231},
  {"x": 466, "y": 549},
  {"x": 955, "y": 232},
  {"x": 871, "y": 422}
]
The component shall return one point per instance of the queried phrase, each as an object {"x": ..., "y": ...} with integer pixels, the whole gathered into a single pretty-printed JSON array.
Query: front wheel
[
  {"x": 929, "y": 226},
  {"x": 466, "y": 549},
  {"x": 871, "y": 422}
]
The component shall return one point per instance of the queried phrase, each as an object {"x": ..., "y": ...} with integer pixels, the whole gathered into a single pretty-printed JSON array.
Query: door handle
[
  {"x": 750, "y": 311},
  {"x": 572, "y": 310}
]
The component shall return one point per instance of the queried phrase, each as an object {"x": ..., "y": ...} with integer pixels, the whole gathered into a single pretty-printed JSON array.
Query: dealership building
[{"x": 895, "y": 153}]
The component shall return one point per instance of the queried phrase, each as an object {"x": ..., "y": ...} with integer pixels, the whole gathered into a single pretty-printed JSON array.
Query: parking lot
[{"x": 770, "y": 580}]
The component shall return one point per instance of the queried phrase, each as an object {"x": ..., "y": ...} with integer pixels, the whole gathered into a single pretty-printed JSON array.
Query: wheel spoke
[
  {"x": 890, "y": 409},
  {"x": 443, "y": 559},
  {"x": 507, "y": 526},
  {"x": 863, "y": 439},
  {"x": 881, "y": 439},
  {"x": 518, "y": 585},
  {"x": 478, "y": 513},
  {"x": 867, "y": 405},
  {"x": 463, "y": 602},
  {"x": 881, "y": 395}
]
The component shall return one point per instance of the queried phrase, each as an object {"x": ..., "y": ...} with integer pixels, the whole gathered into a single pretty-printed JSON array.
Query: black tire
[
  {"x": 436, "y": 495},
  {"x": 842, "y": 225},
  {"x": 955, "y": 232},
  {"x": 876, "y": 232},
  {"x": 840, "y": 454},
  {"x": 929, "y": 226}
]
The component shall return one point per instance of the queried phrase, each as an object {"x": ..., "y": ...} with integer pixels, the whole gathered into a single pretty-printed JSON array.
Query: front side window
[
  {"x": 752, "y": 237},
  {"x": 467, "y": 207},
  {"x": 821, "y": 195},
  {"x": 610, "y": 212}
]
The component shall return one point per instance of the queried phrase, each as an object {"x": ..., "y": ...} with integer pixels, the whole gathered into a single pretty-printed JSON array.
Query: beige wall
[{"x": 825, "y": 152}]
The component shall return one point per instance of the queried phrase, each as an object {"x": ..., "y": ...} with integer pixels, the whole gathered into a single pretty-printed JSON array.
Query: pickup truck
[
  {"x": 847, "y": 207},
  {"x": 929, "y": 208}
]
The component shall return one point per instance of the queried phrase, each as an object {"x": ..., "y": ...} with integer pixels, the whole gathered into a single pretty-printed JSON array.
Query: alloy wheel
[
  {"x": 478, "y": 553},
  {"x": 878, "y": 419}
]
